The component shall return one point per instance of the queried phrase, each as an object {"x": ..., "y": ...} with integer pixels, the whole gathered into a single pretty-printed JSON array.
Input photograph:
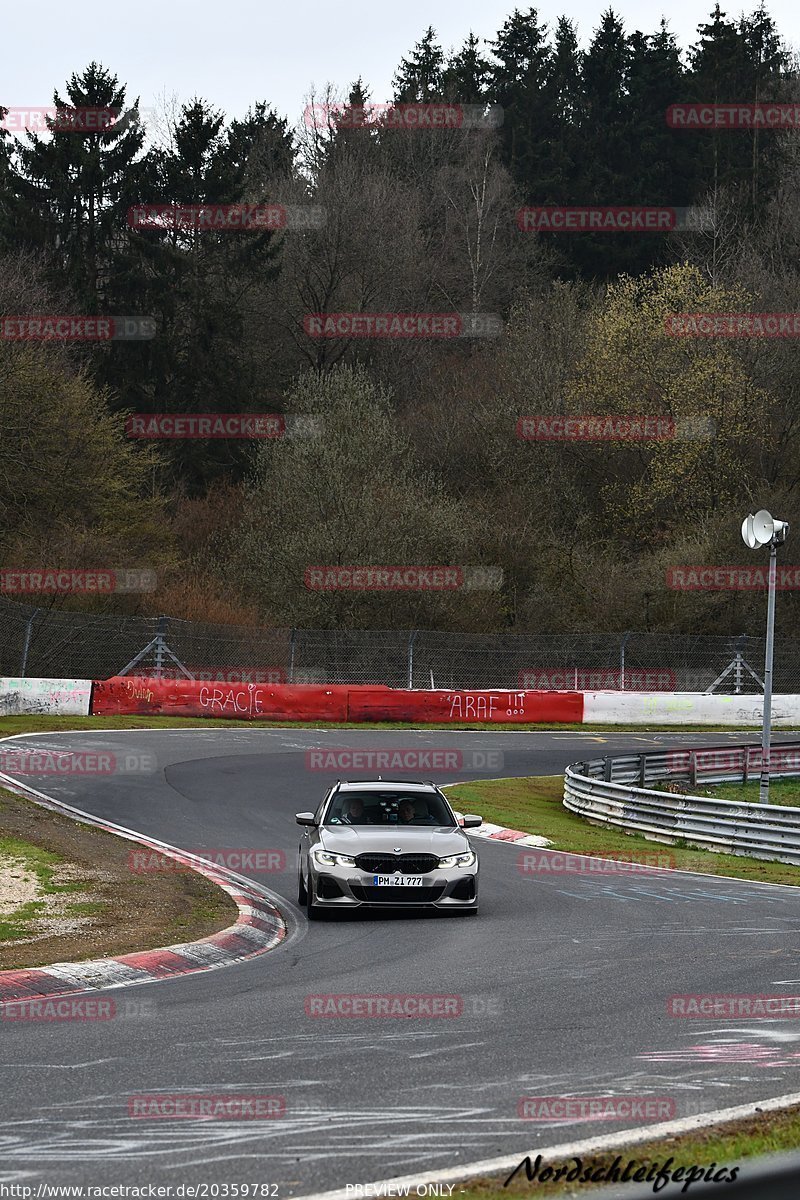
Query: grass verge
[
  {"x": 723, "y": 1145},
  {"x": 781, "y": 791},
  {"x": 534, "y": 806},
  {"x": 44, "y": 724},
  {"x": 115, "y": 910}
]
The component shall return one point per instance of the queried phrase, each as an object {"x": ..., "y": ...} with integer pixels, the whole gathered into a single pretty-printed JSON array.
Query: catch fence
[{"x": 51, "y": 642}]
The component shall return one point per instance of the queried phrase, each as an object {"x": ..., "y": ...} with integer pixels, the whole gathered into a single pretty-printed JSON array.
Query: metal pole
[
  {"x": 162, "y": 622},
  {"x": 26, "y": 646},
  {"x": 291, "y": 655},
  {"x": 411, "y": 640},
  {"x": 625, "y": 637},
  {"x": 763, "y": 791}
]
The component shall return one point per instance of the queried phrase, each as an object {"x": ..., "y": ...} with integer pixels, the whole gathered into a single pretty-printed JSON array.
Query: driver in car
[
  {"x": 353, "y": 812},
  {"x": 405, "y": 812}
]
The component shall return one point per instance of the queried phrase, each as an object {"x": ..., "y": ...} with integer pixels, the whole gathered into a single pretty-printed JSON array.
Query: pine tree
[
  {"x": 198, "y": 282},
  {"x": 767, "y": 63},
  {"x": 260, "y": 148},
  {"x": 466, "y": 76},
  {"x": 719, "y": 74},
  {"x": 518, "y": 85},
  {"x": 6, "y": 184},
  {"x": 565, "y": 102},
  {"x": 419, "y": 78},
  {"x": 605, "y": 75},
  {"x": 74, "y": 188}
]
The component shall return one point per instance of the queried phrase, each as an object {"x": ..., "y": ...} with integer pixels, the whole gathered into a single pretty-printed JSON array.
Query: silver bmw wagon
[{"x": 389, "y": 845}]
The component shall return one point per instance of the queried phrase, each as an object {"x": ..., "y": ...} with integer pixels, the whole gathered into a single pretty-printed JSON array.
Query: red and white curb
[
  {"x": 499, "y": 833},
  {"x": 259, "y": 927}
]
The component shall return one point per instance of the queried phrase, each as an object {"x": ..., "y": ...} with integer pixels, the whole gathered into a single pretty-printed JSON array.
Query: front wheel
[{"x": 301, "y": 887}]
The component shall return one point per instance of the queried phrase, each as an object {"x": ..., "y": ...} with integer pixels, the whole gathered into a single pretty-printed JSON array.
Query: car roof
[{"x": 386, "y": 785}]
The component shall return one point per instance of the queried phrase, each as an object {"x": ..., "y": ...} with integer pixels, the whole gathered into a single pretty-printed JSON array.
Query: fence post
[
  {"x": 625, "y": 637},
  {"x": 26, "y": 646},
  {"x": 740, "y": 647},
  {"x": 291, "y": 655},
  {"x": 411, "y": 641},
  {"x": 162, "y": 624}
]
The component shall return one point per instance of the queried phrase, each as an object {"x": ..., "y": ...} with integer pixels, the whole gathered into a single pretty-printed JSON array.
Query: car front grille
[
  {"x": 406, "y": 864},
  {"x": 397, "y": 895}
]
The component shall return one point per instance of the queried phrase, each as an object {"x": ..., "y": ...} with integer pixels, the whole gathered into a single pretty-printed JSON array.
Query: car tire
[{"x": 301, "y": 888}]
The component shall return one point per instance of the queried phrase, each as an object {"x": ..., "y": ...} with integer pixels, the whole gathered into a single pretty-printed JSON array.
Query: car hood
[{"x": 419, "y": 839}]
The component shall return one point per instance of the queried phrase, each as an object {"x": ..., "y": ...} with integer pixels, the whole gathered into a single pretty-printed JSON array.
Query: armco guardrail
[{"x": 613, "y": 791}]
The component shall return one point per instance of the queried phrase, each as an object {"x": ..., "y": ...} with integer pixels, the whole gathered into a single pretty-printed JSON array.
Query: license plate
[{"x": 397, "y": 881}]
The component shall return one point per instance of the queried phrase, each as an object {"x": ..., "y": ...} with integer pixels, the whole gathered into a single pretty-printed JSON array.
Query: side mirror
[
  {"x": 305, "y": 819},
  {"x": 472, "y": 821}
]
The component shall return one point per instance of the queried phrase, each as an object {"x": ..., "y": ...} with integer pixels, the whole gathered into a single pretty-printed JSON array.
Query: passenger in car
[
  {"x": 405, "y": 812},
  {"x": 422, "y": 813}
]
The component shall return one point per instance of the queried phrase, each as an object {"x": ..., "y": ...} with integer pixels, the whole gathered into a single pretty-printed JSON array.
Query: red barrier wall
[
  {"x": 192, "y": 698},
  {"x": 314, "y": 702},
  {"x": 386, "y": 704}
]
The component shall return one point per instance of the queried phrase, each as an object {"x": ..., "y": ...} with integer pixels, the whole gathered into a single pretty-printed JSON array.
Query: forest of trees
[{"x": 408, "y": 452}]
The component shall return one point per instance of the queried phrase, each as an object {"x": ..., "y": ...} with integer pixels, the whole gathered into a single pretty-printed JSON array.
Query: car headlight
[
  {"x": 324, "y": 859},
  {"x": 458, "y": 860}
]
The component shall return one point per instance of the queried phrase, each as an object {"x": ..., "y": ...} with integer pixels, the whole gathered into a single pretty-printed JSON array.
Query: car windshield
[{"x": 388, "y": 808}]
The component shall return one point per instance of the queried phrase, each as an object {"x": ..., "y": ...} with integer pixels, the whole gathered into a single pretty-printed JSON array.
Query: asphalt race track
[{"x": 564, "y": 982}]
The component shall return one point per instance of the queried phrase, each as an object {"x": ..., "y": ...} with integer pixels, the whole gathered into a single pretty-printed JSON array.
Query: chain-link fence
[{"x": 53, "y": 643}]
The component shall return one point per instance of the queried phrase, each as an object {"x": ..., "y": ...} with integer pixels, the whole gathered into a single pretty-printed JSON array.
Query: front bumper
[{"x": 347, "y": 887}]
